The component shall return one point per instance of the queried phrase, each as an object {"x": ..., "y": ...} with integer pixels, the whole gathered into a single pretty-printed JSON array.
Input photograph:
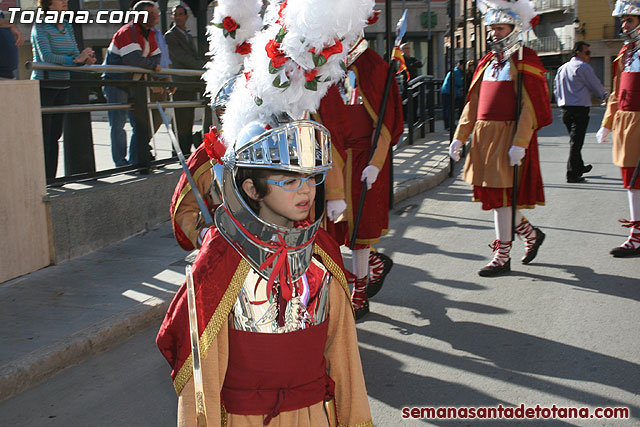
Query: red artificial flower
[
  {"x": 213, "y": 145},
  {"x": 247, "y": 76},
  {"x": 535, "y": 21},
  {"x": 278, "y": 58},
  {"x": 244, "y": 48},
  {"x": 229, "y": 24},
  {"x": 310, "y": 75},
  {"x": 331, "y": 50},
  {"x": 374, "y": 17}
]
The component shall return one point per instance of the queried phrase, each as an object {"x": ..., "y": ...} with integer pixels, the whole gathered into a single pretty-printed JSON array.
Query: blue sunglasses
[{"x": 293, "y": 184}]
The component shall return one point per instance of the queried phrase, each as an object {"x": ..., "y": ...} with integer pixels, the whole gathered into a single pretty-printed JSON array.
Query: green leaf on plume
[
  {"x": 276, "y": 83},
  {"x": 218, "y": 25},
  {"x": 318, "y": 60},
  {"x": 343, "y": 66},
  {"x": 327, "y": 79},
  {"x": 280, "y": 35},
  {"x": 258, "y": 101},
  {"x": 312, "y": 85},
  {"x": 225, "y": 32},
  {"x": 233, "y": 34},
  {"x": 272, "y": 69}
]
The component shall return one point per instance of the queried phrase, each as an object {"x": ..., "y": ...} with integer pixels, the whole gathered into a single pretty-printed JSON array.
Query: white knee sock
[
  {"x": 634, "y": 204},
  {"x": 502, "y": 223},
  {"x": 360, "y": 262}
]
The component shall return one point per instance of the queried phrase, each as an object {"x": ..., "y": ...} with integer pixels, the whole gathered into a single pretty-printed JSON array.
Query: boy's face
[
  {"x": 500, "y": 31},
  {"x": 282, "y": 207}
]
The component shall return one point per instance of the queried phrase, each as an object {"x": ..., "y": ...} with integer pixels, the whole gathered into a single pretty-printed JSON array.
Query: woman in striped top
[{"x": 55, "y": 44}]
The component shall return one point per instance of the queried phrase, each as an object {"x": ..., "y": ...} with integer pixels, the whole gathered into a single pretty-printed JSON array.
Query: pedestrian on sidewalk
[
  {"x": 184, "y": 55},
  {"x": 500, "y": 138},
  {"x": 133, "y": 44},
  {"x": 623, "y": 118},
  {"x": 573, "y": 86},
  {"x": 279, "y": 342},
  {"x": 55, "y": 43},
  {"x": 452, "y": 86},
  {"x": 360, "y": 165}
]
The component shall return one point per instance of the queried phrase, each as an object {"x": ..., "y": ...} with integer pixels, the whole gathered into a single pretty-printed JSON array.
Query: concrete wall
[
  {"x": 24, "y": 236},
  {"x": 86, "y": 217}
]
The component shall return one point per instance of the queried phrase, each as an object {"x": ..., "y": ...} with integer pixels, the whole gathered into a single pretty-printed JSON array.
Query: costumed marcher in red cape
[
  {"x": 622, "y": 119},
  {"x": 360, "y": 101},
  {"x": 275, "y": 323},
  {"x": 501, "y": 140},
  {"x": 229, "y": 44}
]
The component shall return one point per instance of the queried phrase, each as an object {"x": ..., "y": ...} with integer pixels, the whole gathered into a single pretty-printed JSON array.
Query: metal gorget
[{"x": 253, "y": 311}]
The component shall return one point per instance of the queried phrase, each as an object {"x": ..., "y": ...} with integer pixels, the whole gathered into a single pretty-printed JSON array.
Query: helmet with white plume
[
  {"x": 292, "y": 63},
  {"x": 519, "y": 14}
]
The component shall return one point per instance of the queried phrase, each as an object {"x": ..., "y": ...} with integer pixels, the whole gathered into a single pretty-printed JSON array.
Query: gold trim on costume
[
  {"x": 384, "y": 132},
  {"x": 202, "y": 169},
  {"x": 368, "y": 423},
  {"x": 215, "y": 323},
  {"x": 332, "y": 266}
]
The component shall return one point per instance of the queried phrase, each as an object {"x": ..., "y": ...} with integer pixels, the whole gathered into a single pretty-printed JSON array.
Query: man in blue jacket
[{"x": 458, "y": 94}]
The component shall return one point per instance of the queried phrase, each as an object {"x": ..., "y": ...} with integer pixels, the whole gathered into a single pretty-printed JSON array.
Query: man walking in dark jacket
[{"x": 184, "y": 55}]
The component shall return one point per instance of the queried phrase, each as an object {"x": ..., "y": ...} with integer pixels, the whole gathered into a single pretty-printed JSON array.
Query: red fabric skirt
[
  {"x": 273, "y": 373},
  {"x": 530, "y": 189},
  {"x": 374, "y": 221},
  {"x": 627, "y": 174}
]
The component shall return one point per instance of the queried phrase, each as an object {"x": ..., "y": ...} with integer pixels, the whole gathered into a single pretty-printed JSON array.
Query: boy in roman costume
[
  {"x": 623, "y": 116},
  {"x": 275, "y": 322},
  {"x": 500, "y": 139}
]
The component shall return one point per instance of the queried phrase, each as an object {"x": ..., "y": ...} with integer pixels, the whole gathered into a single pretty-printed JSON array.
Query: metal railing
[
  {"x": 420, "y": 97},
  {"x": 84, "y": 168},
  {"x": 551, "y": 44}
]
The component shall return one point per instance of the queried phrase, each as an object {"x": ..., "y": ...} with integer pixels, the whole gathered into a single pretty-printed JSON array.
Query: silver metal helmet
[
  {"x": 628, "y": 7},
  {"x": 301, "y": 146},
  {"x": 222, "y": 98},
  {"x": 509, "y": 44}
]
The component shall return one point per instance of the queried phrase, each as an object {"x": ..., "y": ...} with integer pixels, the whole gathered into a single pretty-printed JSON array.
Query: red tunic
[
  {"x": 371, "y": 73},
  {"x": 491, "y": 108},
  {"x": 623, "y": 116}
]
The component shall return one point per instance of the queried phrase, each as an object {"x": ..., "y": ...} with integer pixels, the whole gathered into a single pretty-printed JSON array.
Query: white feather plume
[
  {"x": 310, "y": 24},
  {"x": 225, "y": 62},
  {"x": 524, "y": 9}
]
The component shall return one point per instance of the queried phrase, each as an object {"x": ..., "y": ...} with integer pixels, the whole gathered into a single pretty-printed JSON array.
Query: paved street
[{"x": 562, "y": 330}]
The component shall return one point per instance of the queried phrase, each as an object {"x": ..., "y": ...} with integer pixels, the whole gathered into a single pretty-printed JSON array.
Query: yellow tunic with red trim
[
  {"x": 219, "y": 275},
  {"x": 185, "y": 212},
  {"x": 487, "y": 166},
  {"x": 622, "y": 120}
]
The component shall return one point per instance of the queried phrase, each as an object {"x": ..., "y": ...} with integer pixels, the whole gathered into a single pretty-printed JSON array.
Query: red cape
[
  {"x": 219, "y": 273},
  {"x": 533, "y": 80},
  {"x": 197, "y": 162},
  {"x": 372, "y": 73}
]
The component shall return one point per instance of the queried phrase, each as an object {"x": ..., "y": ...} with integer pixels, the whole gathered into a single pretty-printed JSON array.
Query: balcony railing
[
  {"x": 545, "y": 5},
  {"x": 551, "y": 44}
]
